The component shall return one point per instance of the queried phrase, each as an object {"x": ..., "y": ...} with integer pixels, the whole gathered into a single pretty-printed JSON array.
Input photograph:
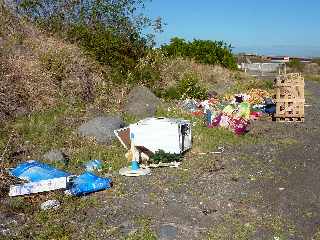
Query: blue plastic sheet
[
  {"x": 89, "y": 183},
  {"x": 34, "y": 171}
]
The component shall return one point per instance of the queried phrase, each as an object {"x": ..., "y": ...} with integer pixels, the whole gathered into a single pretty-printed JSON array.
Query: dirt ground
[{"x": 267, "y": 190}]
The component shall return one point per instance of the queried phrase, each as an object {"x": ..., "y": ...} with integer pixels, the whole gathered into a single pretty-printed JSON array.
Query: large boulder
[
  {"x": 141, "y": 102},
  {"x": 101, "y": 128}
]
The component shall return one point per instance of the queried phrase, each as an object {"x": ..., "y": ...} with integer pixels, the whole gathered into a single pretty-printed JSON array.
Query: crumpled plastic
[
  {"x": 89, "y": 183},
  {"x": 238, "y": 125},
  {"x": 35, "y": 171},
  {"x": 244, "y": 110}
]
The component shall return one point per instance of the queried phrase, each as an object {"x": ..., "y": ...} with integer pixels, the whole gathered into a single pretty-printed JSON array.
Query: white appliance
[{"x": 169, "y": 135}]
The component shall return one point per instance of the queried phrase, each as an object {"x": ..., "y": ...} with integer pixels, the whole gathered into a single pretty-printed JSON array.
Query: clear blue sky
[{"x": 274, "y": 27}]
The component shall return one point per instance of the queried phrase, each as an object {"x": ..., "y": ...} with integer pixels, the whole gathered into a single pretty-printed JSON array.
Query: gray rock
[
  {"x": 167, "y": 232},
  {"x": 101, "y": 128},
  {"x": 141, "y": 102},
  {"x": 56, "y": 156}
]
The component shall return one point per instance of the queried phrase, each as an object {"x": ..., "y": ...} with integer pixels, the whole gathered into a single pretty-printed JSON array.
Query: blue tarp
[{"x": 34, "y": 171}]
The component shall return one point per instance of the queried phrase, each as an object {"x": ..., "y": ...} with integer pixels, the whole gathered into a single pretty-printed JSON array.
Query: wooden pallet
[
  {"x": 290, "y": 98},
  {"x": 289, "y": 119}
]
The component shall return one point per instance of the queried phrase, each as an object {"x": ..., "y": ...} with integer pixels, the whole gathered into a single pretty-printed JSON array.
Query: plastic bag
[
  {"x": 244, "y": 110},
  {"x": 89, "y": 183},
  {"x": 239, "y": 126},
  {"x": 229, "y": 109}
]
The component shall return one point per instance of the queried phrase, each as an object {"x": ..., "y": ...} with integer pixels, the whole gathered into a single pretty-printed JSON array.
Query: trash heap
[{"x": 233, "y": 112}]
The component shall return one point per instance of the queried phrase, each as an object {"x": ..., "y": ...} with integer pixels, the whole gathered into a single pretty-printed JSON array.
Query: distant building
[
  {"x": 285, "y": 59},
  {"x": 280, "y": 59}
]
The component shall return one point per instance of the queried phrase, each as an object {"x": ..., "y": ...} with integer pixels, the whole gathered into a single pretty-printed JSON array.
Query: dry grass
[
  {"x": 213, "y": 77},
  {"x": 38, "y": 71}
]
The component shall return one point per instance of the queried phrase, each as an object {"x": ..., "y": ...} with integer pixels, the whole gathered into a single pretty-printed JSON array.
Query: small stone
[
  {"x": 50, "y": 204},
  {"x": 167, "y": 232}
]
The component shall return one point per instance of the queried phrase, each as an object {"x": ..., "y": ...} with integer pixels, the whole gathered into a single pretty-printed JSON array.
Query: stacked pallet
[{"x": 290, "y": 98}]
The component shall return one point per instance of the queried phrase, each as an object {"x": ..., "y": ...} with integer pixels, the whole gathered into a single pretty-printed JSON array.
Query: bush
[
  {"x": 296, "y": 65},
  {"x": 187, "y": 87},
  {"x": 203, "y": 51},
  {"x": 107, "y": 47},
  {"x": 316, "y": 60},
  {"x": 115, "y": 33}
]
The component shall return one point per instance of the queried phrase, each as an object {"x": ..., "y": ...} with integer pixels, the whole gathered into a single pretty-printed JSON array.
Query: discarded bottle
[{"x": 93, "y": 165}]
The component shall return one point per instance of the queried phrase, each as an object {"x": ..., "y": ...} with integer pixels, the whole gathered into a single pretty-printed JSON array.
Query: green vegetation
[
  {"x": 144, "y": 232},
  {"x": 296, "y": 65},
  {"x": 187, "y": 87},
  {"x": 111, "y": 31},
  {"x": 162, "y": 156},
  {"x": 203, "y": 51}
]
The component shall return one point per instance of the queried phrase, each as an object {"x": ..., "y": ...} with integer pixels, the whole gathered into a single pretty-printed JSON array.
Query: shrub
[
  {"x": 316, "y": 60},
  {"x": 203, "y": 51},
  {"x": 107, "y": 47},
  {"x": 187, "y": 87},
  {"x": 296, "y": 65},
  {"x": 114, "y": 32}
]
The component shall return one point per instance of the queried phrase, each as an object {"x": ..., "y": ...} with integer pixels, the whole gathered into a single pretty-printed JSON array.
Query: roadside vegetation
[{"x": 61, "y": 59}]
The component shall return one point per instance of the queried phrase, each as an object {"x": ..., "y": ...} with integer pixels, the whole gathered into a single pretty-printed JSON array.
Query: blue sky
[{"x": 273, "y": 27}]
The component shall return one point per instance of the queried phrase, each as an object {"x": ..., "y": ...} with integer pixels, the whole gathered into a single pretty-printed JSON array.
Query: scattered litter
[
  {"x": 50, "y": 204},
  {"x": 130, "y": 172},
  {"x": 88, "y": 183},
  {"x": 190, "y": 105},
  {"x": 39, "y": 186},
  {"x": 154, "y": 142},
  {"x": 94, "y": 165},
  {"x": 42, "y": 177},
  {"x": 281, "y": 189},
  {"x": 161, "y": 164},
  {"x": 221, "y": 150},
  {"x": 134, "y": 156},
  {"x": 35, "y": 171}
]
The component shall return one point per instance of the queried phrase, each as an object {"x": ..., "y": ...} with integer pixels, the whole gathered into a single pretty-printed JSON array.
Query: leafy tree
[{"x": 203, "y": 51}]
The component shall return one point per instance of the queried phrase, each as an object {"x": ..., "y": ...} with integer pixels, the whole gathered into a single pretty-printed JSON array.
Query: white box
[
  {"x": 38, "y": 187},
  {"x": 169, "y": 135}
]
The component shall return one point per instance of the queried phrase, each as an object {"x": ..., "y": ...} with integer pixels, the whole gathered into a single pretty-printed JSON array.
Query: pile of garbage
[{"x": 234, "y": 112}]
